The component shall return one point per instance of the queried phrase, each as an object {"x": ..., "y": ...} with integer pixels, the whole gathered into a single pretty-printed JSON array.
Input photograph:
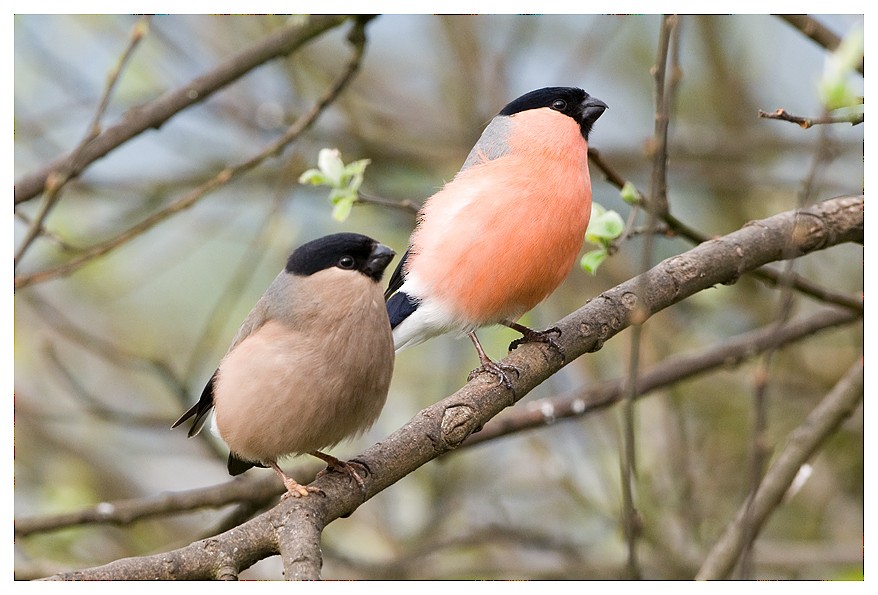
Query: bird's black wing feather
[
  {"x": 399, "y": 307},
  {"x": 397, "y": 278},
  {"x": 199, "y": 409}
]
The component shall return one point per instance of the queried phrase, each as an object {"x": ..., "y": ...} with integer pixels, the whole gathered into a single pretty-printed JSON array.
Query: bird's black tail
[{"x": 237, "y": 466}]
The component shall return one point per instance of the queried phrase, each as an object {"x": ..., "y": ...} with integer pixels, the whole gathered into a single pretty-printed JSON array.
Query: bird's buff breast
[{"x": 304, "y": 390}]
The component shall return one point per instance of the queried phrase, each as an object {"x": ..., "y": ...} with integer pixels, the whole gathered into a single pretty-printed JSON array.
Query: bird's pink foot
[
  {"x": 294, "y": 488},
  {"x": 297, "y": 490}
]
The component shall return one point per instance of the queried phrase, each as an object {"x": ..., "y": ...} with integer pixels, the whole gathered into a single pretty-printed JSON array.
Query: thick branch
[
  {"x": 155, "y": 113},
  {"x": 220, "y": 557},
  {"x": 598, "y": 397},
  {"x": 678, "y": 228},
  {"x": 536, "y": 414},
  {"x": 445, "y": 425}
]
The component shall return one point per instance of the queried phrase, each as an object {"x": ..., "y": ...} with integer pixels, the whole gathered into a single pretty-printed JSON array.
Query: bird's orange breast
[{"x": 501, "y": 236}]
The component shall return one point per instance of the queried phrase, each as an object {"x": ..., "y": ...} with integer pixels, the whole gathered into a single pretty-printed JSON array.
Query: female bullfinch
[
  {"x": 504, "y": 233},
  {"x": 311, "y": 365}
]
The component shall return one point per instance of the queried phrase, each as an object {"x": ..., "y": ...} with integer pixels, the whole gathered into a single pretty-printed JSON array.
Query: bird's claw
[
  {"x": 297, "y": 490},
  {"x": 497, "y": 369},
  {"x": 334, "y": 464},
  {"x": 548, "y": 336}
]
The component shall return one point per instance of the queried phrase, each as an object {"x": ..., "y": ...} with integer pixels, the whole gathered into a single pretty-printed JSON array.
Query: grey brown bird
[{"x": 311, "y": 364}]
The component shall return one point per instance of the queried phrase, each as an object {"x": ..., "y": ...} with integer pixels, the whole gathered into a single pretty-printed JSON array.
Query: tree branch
[
  {"x": 759, "y": 454},
  {"x": 678, "y": 228},
  {"x": 815, "y": 31},
  {"x": 152, "y": 115},
  {"x": 407, "y": 206},
  {"x": 445, "y": 425},
  {"x": 535, "y": 414},
  {"x": 578, "y": 403},
  {"x": 802, "y": 443},
  {"x": 785, "y": 116},
  {"x": 222, "y": 178},
  {"x": 57, "y": 179},
  {"x": 125, "y": 512},
  {"x": 665, "y": 87}
]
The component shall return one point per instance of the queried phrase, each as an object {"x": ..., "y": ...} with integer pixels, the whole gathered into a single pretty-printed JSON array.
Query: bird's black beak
[
  {"x": 378, "y": 260},
  {"x": 592, "y": 108}
]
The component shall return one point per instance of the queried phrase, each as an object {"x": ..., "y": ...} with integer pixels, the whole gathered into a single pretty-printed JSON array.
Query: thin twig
[
  {"x": 47, "y": 235},
  {"x": 812, "y": 28},
  {"x": 677, "y": 228},
  {"x": 658, "y": 197},
  {"x": 760, "y": 447},
  {"x": 408, "y": 206},
  {"x": 664, "y": 95},
  {"x": 807, "y": 287},
  {"x": 152, "y": 115},
  {"x": 222, "y": 178},
  {"x": 140, "y": 29},
  {"x": 801, "y": 445},
  {"x": 784, "y": 115},
  {"x": 57, "y": 179}
]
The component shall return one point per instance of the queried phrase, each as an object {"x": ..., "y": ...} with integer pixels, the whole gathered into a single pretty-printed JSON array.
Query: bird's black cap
[
  {"x": 350, "y": 251},
  {"x": 570, "y": 101}
]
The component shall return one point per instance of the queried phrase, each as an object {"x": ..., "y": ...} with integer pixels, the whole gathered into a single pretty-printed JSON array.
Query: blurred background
[{"x": 108, "y": 357}]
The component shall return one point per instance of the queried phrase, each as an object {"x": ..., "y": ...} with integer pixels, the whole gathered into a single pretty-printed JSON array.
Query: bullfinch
[
  {"x": 505, "y": 231},
  {"x": 311, "y": 364}
]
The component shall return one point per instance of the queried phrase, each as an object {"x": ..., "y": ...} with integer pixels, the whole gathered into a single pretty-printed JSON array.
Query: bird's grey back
[
  {"x": 274, "y": 304},
  {"x": 493, "y": 143}
]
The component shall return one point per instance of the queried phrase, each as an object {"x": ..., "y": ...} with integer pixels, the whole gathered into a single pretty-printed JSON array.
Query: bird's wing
[
  {"x": 199, "y": 409},
  {"x": 397, "y": 278},
  {"x": 255, "y": 319}
]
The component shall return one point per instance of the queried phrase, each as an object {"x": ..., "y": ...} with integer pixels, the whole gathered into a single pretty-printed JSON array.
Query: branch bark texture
[{"x": 576, "y": 403}]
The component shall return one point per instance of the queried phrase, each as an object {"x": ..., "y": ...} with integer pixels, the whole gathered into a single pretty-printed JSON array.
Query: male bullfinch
[
  {"x": 311, "y": 365},
  {"x": 504, "y": 233}
]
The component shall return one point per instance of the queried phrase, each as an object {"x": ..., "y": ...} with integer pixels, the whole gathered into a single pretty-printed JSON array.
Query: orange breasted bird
[
  {"x": 311, "y": 364},
  {"x": 505, "y": 231}
]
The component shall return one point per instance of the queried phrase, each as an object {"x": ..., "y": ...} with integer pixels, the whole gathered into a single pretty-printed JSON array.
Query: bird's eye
[
  {"x": 559, "y": 105},
  {"x": 346, "y": 262}
]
